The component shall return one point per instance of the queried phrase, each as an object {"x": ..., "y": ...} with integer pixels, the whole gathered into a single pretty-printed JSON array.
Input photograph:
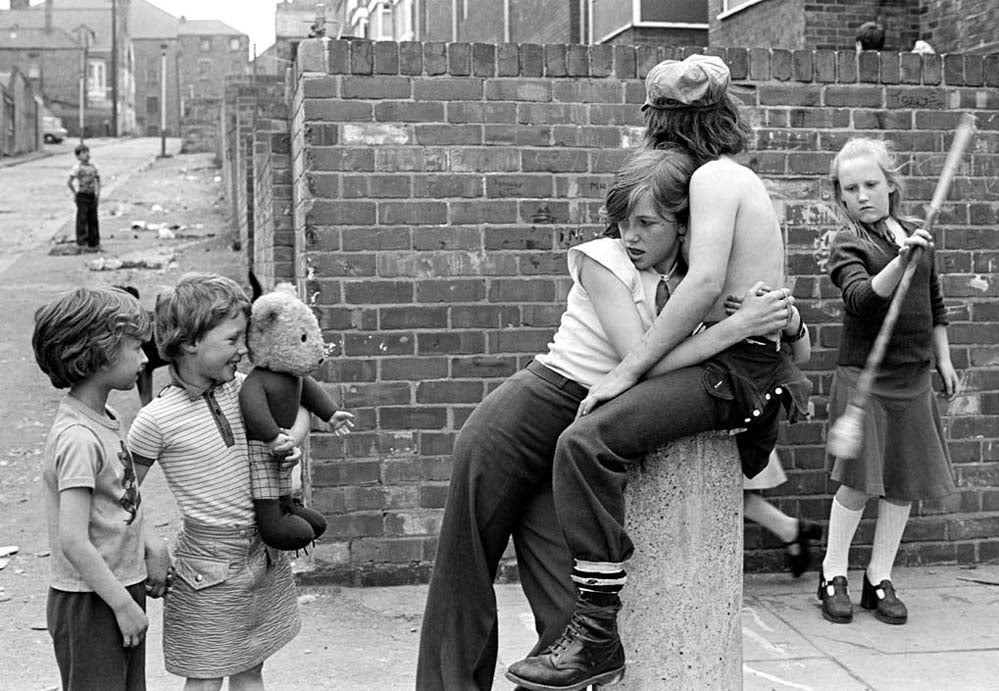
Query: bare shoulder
[{"x": 724, "y": 169}]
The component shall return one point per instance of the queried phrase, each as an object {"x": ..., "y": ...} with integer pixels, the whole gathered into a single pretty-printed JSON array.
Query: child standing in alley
[
  {"x": 904, "y": 455},
  {"x": 85, "y": 184},
  {"x": 103, "y": 566},
  {"x": 233, "y": 603}
]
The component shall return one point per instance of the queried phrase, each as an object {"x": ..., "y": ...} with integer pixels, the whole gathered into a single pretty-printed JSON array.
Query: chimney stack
[{"x": 48, "y": 16}]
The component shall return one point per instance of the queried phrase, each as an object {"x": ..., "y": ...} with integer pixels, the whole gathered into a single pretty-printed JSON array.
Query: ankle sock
[
  {"x": 599, "y": 582},
  {"x": 887, "y": 537},
  {"x": 843, "y": 524}
]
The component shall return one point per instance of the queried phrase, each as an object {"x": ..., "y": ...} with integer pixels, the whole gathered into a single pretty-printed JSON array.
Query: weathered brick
[
  {"x": 374, "y": 88},
  {"x": 435, "y": 57},
  {"x": 448, "y": 135},
  {"x": 481, "y": 112},
  {"x": 407, "y": 111},
  {"x": 507, "y": 60},
  {"x": 459, "y": 59},
  {"x": 410, "y": 57},
  {"x": 516, "y": 135},
  {"x": 483, "y": 59},
  {"x": 376, "y": 186},
  {"x": 375, "y": 394},
  {"x": 327, "y": 212},
  {"x": 450, "y": 291},
  {"x": 462, "y": 212},
  {"x": 854, "y": 96},
  {"x": 413, "y": 369},
  {"x": 453, "y": 89},
  {"x": 523, "y": 89},
  {"x": 407, "y": 212}
]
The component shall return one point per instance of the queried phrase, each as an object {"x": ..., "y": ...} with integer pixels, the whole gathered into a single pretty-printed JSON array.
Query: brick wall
[
  {"x": 199, "y": 127},
  {"x": 274, "y": 246},
  {"x": 437, "y": 187},
  {"x": 954, "y": 26},
  {"x": 797, "y": 24}
]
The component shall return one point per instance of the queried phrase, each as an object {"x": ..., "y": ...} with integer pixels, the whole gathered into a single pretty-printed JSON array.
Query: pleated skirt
[
  {"x": 904, "y": 455},
  {"x": 233, "y": 602}
]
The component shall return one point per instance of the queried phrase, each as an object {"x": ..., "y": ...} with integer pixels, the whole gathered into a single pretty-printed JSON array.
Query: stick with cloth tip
[{"x": 846, "y": 436}]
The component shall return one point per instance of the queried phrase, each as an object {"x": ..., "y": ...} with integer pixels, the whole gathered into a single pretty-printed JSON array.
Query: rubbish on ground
[
  {"x": 154, "y": 261},
  {"x": 3, "y": 563},
  {"x": 166, "y": 234},
  {"x": 156, "y": 208},
  {"x": 8, "y": 550},
  {"x": 138, "y": 225},
  {"x": 155, "y": 226}
]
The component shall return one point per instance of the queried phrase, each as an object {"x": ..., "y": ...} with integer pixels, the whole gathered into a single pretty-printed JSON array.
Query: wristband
[{"x": 802, "y": 330}]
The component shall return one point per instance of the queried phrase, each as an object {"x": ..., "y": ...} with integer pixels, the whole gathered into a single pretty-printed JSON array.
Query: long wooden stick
[{"x": 846, "y": 436}]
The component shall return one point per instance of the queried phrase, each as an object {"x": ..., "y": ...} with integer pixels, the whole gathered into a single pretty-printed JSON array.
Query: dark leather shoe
[
  {"x": 799, "y": 563},
  {"x": 885, "y": 603},
  {"x": 836, "y": 605},
  {"x": 589, "y": 653}
]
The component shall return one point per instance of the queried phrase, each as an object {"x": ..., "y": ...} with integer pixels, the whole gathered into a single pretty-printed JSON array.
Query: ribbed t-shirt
[{"x": 208, "y": 474}]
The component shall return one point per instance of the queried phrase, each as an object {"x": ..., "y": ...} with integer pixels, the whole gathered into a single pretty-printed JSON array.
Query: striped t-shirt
[{"x": 209, "y": 478}]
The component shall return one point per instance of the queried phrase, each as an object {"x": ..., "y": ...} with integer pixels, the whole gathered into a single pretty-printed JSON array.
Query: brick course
[{"x": 434, "y": 236}]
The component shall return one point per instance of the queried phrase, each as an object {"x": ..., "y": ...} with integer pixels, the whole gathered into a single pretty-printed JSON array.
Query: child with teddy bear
[{"x": 233, "y": 601}]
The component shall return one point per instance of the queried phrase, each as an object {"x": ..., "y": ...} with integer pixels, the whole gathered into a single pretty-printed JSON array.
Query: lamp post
[{"x": 163, "y": 92}]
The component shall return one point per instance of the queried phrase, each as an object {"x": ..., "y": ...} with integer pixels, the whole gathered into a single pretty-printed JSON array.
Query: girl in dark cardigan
[{"x": 904, "y": 454}]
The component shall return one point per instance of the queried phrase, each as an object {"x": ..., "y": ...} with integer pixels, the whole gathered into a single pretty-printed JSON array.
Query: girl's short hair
[
  {"x": 665, "y": 172},
  {"x": 879, "y": 151},
  {"x": 197, "y": 304},
  {"x": 707, "y": 132},
  {"x": 80, "y": 332}
]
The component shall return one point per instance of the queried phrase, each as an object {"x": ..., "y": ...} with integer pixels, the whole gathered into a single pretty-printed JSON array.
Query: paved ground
[{"x": 365, "y": 639}]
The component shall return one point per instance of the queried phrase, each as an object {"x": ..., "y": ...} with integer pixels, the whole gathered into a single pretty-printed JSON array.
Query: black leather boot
[{"x": 588, "y": 653}]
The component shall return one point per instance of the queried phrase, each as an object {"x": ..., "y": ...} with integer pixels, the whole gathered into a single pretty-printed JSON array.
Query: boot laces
[{"x": 573, "y": 630}]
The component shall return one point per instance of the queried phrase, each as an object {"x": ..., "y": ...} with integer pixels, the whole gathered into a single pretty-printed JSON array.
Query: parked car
[{"x": 53, "y": 131}]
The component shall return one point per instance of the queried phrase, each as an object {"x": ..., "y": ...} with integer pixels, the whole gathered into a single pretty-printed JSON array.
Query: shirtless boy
[{"x": 735, "y": 241}]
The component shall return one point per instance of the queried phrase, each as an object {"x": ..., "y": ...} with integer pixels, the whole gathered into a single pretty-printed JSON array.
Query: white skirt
[{"x": 771, "y": 476}]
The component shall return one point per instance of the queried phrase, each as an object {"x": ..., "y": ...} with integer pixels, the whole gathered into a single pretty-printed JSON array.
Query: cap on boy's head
[{"x": 695, "y": 82}]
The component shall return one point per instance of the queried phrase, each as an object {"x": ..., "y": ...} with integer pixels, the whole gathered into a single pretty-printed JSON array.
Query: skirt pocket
[{"x": 201, "y": 572}]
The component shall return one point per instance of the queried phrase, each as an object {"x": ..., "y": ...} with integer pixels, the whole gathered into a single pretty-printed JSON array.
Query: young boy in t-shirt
[
  {"x": 85, "y": 183},
  {"x": 103, "y": 565}
]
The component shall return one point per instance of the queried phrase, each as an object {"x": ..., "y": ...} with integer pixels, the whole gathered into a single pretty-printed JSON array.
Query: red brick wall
[{"x": 438, "y": 186}]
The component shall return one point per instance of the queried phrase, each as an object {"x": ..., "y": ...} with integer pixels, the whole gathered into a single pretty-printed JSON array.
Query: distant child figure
[
  {"x": 870, "y": 36},
  {"x": 85, "y": 183},
  {"x": 103, "y": 565},
  {"x": 904, "y": 456},
  {"x": 233, "y": 603}
]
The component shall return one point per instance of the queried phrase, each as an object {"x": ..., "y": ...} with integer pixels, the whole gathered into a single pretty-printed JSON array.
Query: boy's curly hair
[
  {"x": 708, "y": 133},
  {"x": 79, "y": 332},
  {"x": 197, "y": 304}
]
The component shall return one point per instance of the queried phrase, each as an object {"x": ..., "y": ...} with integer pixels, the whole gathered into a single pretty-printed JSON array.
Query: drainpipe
[
  {"x": 454, "y": 21},
  {"x": 506, "y": 21}
]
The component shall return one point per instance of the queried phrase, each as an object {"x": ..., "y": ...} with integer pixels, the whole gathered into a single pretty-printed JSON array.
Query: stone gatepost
[{"x": 681, "y": 621}]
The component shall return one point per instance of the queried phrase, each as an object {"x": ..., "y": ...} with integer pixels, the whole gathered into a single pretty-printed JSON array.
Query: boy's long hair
[
  {"x": 197, "y": 304},
  {"x": 880, "y": 152},
  {"x": 665, "y": 171},
  {"x": 80, "y": 332},
  {"x": 708, "y": 132}
]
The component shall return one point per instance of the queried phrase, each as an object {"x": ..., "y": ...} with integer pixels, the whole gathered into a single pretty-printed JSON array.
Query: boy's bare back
[{"x": 731, "y": 206}]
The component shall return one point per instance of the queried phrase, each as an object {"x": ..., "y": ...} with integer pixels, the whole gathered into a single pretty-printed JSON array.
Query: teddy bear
[{"x": 286, "y": 347}]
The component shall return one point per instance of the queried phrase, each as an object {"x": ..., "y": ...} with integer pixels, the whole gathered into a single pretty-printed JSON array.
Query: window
[
  {"x": 206, "y": 45},
  {"x": 235, "y": 44},
  {"x": 385, "y": 18},
  {"x": 152, "y": 77},
  {"x": 152, "y": 105},
  {"x": 404, "y": 20},
  {"x": 97, "y": 83},
  {"x": 732, "y": 6},
  {"x": 204, "y": 66}
]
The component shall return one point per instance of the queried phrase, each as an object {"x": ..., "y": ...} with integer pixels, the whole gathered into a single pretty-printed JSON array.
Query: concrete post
[{"x": 681, "y": 620}]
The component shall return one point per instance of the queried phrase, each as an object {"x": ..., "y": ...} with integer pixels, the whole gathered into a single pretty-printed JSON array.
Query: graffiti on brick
[
  {"x": 917, "y": 98},
  {"x": 543, "y": 214}
]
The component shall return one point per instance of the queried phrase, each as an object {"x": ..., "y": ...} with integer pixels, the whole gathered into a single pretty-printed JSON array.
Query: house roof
[
  {"x": 24, "y": 38},
  {"x": 206, "y": 27},
  {"x": 146, "y": 20},
  {"x": 67, "y": 15}
]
